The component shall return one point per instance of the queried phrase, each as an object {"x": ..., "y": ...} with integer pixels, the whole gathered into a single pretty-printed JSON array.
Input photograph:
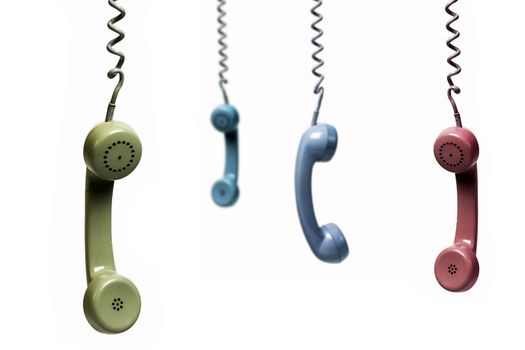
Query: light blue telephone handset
[
  {"x": 327, "y": 242},
  {"x": 225, "y": 191},
  {"x": 318, "y": 144},
  {"x": 225, "y": 119}
]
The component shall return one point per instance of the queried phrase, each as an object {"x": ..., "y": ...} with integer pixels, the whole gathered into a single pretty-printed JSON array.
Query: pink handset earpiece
[{"x": 456, "y": 149}]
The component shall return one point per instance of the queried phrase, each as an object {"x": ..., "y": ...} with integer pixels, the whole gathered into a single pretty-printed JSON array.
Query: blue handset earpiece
[
  {"x": 225, "y": 191},
  {"x": 318, "y": 144}
]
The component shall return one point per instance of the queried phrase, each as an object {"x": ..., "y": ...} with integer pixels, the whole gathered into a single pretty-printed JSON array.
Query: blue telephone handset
[
  {"x": 318, "y": 144},
  {"x": 225, "y": 191}
]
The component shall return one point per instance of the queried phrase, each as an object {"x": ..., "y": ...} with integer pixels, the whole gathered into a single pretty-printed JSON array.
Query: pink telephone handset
[{"x": 456, "y": 149}]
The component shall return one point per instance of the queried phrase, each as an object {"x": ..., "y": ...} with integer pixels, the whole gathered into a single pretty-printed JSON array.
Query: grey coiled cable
[
  {"x": 453, "y": 88},
  {"x": 222, "y": 50},
  {"x": 110, "y": 47},
  {"x": 319, "y": 89}
]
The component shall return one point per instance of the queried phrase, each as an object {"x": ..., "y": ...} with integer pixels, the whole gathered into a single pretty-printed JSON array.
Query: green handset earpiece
[
  {"x": 112, "y": 302},
  {"x": 112, "y": 150}
]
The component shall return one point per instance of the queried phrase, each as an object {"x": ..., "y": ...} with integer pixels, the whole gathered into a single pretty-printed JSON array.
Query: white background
[{"x": 244, "y": 277}]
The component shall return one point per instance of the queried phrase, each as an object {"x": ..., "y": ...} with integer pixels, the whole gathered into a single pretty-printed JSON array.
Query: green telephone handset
[
  {"x": 112, "y": 150},
  {"x": 112, "y": 302}
]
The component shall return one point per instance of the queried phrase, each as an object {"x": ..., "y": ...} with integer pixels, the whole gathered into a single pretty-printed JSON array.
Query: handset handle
[
  {"x": 231, "y": 167},
  {"x": 99, "y": 248},
  {"x": 467, "y": 220},
  {"x": 318, "y": 144}
]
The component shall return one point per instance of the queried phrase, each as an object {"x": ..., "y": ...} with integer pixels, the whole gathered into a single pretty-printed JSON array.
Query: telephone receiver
[
  {"x": 318, "y": 144},
  {"x": 112, "y": 302},
  {"x": 225, "y": 191},
  {"x": 457, "y": 268}
]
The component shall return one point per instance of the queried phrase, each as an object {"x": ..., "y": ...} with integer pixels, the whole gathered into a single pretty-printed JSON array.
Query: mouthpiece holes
[
  {"x": 118, "y": 304},
  {"x": 451, "y": 154},
  {"x": 452, "y": 269},
  {"x": 222, "y": 192},
  {"x": 119, "y": 156}
]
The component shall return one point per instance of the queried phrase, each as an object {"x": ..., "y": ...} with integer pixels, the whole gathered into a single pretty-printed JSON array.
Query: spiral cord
[
  {"x": 110, "y": 47},
  {"x": 453, "y": 88},
  {"x": 319, "y": 89},
  {"x": 222, "y": 50}
]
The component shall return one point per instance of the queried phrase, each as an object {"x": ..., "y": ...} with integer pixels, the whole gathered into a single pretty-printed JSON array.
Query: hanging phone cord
[
  {"x": 319, "y": 89},
  {"x": 117, "y": 70},
  {"x": 222, "y": 51},
  {"x": 453, "y": 88}
]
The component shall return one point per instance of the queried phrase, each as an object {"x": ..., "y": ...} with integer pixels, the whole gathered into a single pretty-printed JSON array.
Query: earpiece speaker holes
[
  {"x": 452, "y": 269},
  {"x": 122, "y": 161},
  {"x": 451, "y": 154}
]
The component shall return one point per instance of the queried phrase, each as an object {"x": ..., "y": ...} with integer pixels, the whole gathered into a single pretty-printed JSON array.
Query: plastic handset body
[
  {"x": 225, "y": 191},
  {"x": 457, "y": 268},
  {"x": 318, "y": 144}
]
